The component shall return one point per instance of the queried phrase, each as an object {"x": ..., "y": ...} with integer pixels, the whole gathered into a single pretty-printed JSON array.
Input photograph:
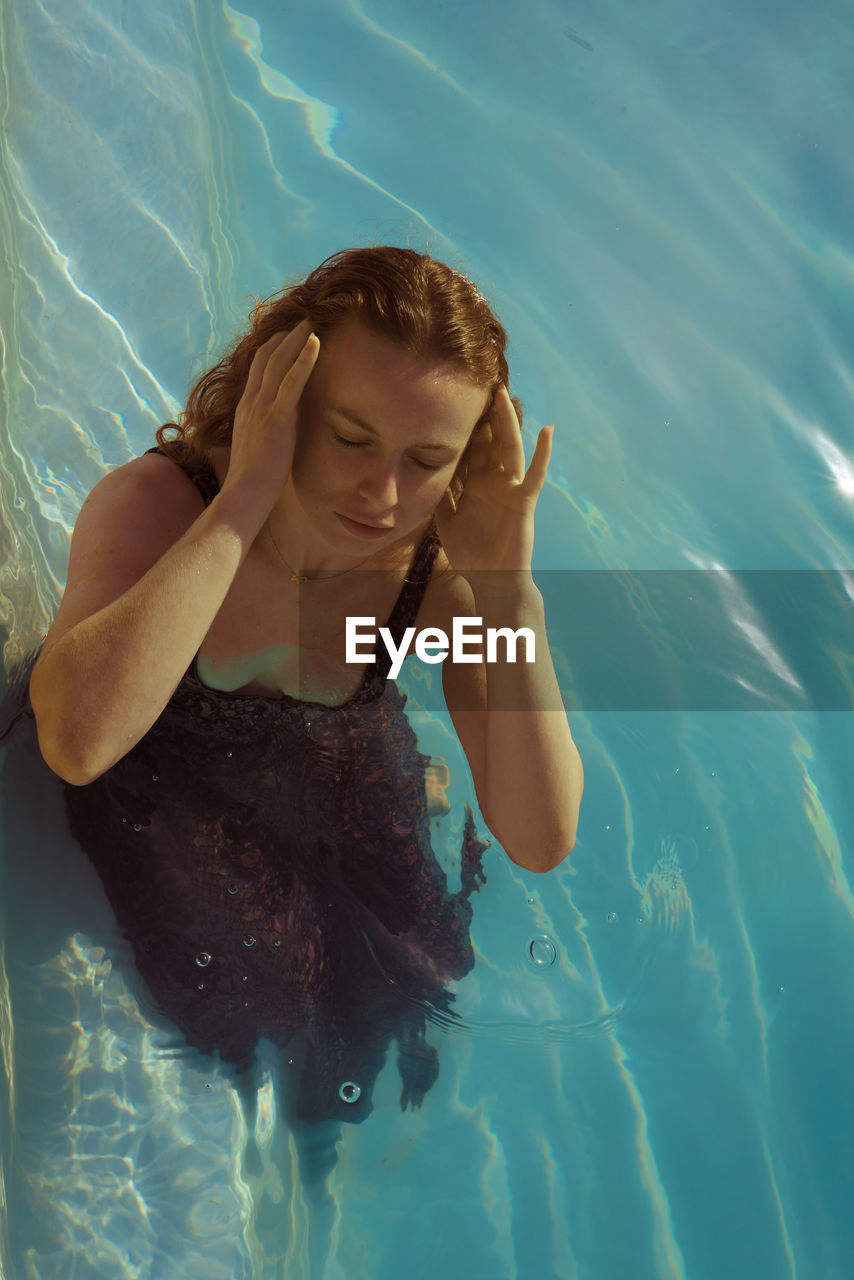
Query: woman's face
[{"x": 379, "y": 438}]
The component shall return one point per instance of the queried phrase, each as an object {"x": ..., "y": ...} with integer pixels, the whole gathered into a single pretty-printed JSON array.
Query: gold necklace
[{"x": 303, "y": 577}]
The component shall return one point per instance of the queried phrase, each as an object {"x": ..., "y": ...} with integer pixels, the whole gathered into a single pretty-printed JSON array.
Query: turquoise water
[{"x": 656, "y": 199}]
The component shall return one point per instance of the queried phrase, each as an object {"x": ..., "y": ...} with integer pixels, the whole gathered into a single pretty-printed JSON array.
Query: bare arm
[
  {"x": 148, "y": 574},
  {"x": 513, "y": 727},
  {"x": 100, "y": 684},
  {"x": 510, "y": 717}
]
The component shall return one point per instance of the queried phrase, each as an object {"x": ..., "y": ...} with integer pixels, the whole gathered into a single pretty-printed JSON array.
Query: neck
[
  {"x": 289, "y": 528},
  {"x": 295, "y": 545},
  {"x": 303, "y": 550}
]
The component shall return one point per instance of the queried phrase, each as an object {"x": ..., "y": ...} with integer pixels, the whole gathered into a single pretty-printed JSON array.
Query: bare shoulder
[
  {"x": 151, "y": 475},
  {"x": 447, "y": 595},
  {"x": 132, "y": 516}
]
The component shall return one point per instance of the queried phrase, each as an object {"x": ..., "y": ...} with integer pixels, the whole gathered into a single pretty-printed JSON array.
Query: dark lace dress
[{"x": 270, "y": 862}]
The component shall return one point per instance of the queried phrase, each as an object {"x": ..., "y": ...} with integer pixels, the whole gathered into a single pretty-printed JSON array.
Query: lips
[
  {"x": 369, "y": 524},
  {"x": 364, "y": 527}
]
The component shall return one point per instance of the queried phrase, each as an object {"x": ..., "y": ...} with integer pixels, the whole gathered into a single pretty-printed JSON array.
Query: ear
[
  {"x": 460, "y": 476},
  {"x": 458, "y": 480}
]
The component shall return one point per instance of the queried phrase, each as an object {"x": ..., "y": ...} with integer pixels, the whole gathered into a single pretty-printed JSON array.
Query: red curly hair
[{"x": 432, "y": 311}]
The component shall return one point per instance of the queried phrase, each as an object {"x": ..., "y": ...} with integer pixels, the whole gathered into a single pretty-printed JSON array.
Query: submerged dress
[{"x": 269, "y": 861}]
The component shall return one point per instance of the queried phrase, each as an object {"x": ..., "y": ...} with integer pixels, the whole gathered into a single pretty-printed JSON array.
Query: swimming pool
[{"x": 656, "y": 201}]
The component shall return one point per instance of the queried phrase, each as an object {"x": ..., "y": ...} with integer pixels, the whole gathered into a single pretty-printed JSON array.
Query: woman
[{"x": 255, "y": 805}]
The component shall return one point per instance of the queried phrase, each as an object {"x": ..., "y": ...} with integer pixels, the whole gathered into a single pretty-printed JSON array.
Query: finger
[
  {"x": 483, "y": 452},
  {"x": 282, "y": 356},
  {"x": 292, "y": 384},
  {"x": 535, "y": 476},
  {"x": 259, "y": 363},
  {"x": 508, "y": 434}
]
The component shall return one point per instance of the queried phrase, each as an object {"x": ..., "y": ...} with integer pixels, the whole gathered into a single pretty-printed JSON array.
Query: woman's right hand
[{"x": 264, "y": 431}]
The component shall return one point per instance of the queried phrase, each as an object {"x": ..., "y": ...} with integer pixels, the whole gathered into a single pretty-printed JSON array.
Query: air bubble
[
  {"x": 248, "y": 940},
  {"x": 349, "y": 1092},
  {"x": 137, "y": 826},
  {"x": 201, "y": 986},
  {"x": 233, "y": 888},
  {"x": 542, "y": 951},
  {"x": 203, "y": 959},
  {"x": 612, "y": 917},
  {"x": 155, "y": 777},
  {"x": 277, "y": 942}
]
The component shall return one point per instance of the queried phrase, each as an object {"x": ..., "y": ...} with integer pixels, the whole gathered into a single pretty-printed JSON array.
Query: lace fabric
[{"x": 270, "y": 862}]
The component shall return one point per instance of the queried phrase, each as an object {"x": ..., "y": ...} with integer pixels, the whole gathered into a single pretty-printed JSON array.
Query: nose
[{"x": 379, "y": 488}]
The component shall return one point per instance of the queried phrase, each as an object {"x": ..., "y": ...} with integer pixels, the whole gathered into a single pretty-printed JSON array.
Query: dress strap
[
  {"x": 404, "y": 612},
  {"x": 414, "y": 584},
  {"x": 203, "y": 476}
]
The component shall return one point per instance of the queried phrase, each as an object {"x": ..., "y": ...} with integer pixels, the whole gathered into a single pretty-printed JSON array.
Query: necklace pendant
[{"x": 298, "y": 577}]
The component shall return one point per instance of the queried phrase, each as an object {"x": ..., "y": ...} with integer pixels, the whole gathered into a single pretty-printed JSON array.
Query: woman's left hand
[{"x": 492, "y": 525}]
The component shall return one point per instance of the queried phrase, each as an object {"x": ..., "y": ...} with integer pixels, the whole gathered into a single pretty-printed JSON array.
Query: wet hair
[{"x": 432, "y": 311}]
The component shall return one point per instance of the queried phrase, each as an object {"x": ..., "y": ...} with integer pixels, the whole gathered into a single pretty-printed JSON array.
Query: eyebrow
[{"x": 357, "y": 422}]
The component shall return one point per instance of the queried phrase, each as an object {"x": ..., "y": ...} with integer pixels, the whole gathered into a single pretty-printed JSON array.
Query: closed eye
[{"x": 358, "y": 444}]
